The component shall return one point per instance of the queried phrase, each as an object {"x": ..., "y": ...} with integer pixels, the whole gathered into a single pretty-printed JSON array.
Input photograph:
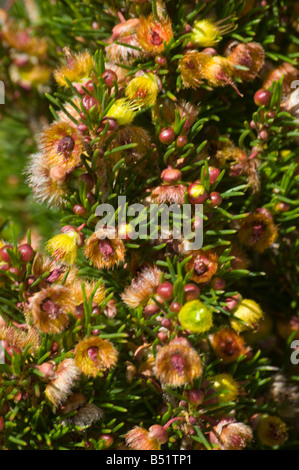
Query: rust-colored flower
[
  {"x": 130, "y": 134},
  {"x": 191, "y": 68},
  {"x": 104, "y": 249},
  {"x": 94, "y": 355},
  {"x": 99, "y": 295},
  {"x": 258, "y": 231},
  {"x": 177, "y": 364},
  {"x": 62, "y": 146},
  {"x": 48, "y": 309},
  {"x": 60, "y": 388},
  {"x": 22, "y": 39},
  {"x": 152, "y": 34},
  {"x": 142, "y": 287},
  {"x": 20, "y": 338},
  {"x": 204, "y": 265},
  {"x": 141, "y": 439},
  {"x": 228, "y": 345},
  {"x": 249, "y": 55}
]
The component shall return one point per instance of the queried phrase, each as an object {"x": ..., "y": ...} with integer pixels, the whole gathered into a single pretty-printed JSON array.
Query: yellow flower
[
  {"x": 225, "y": 387},
  {"x": 104, "y": 249},
  {"x": 78, "y": 68},
  {"x": 64, "y": 246},
  {"x": 250, "y": 314},
  {"x": 196, "y": 317},
  {"x": 123, "y": 111},
  {"x": 271, "y": 431},
  {"x": 94, "y": 355},
  {"x": 206, "y": 33},
  {"x": 258, "y": 231},
  {"x": 143, "y": 89}
]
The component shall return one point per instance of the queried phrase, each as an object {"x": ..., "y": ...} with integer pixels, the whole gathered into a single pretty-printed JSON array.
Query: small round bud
[
  {"x": 195, "y": 396},
  {"x": 79, "y": 210},
  {"x": 162, "y": 335},
  {"x": 262, "y": 97},
  {"x": 15, "y": 271},
  {"x": 109, "y": 77},
  {"x": 171, "y": 175},
  {"x": 191, "y": 291},
  {"x": 158, "y": 432},
  {"x": 213, "y": 173},
  {"x": 167, "y": 136},
  {"x": 4, "y": 253},
  {"x": 175, "y": 307},
  {"x": 27, "y": 252},
  {"x": 161, "y": 60},
  {"x": 216, "y": 199},
  {"x": 218, "y": 283},
  {"x": 282, "y": 207},
  {"x": 108, "y": 440},
  {"x": 181, "y": 141},
  {"x": 263, "y": 135},
  {"x": 89, "y": 86},
  {"x": 165, "y": 290},
  {"x": 82, "y": 128},
  {"x": 112, "y": 124},
  {"x": 166, "y": 323},
  {"x": 197, "y": 193},
  {"x": 48, "y": 369},
  {"x": 89, "y": 102}
]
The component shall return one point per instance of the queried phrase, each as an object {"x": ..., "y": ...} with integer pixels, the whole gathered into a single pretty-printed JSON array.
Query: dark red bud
[
  {"x": 4, "y": 254},
  {"x": 167, "y": 136},
  {"x": 216, "y": 198},
  {"x": 191, "y": 291},
  {"x": 27, "y": 252},
  {"x": 262, "y": 97},
  {"x": 165, "y": 290},
  {"x": 109, "y": 77}
]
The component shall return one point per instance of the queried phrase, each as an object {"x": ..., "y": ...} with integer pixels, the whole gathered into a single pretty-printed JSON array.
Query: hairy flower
[
  {"x": 258, "y": 231},
  {"x": 271, "y": 430},
  {"x": 123, "y": 111},
  {"x": 104, "y": 249},
  {"x": 231, "y": 435},
  {"x": 177, "y": 364},
  {"x": 125, "y": 53},
  {"x": 48, "y": 184},
  {"x": 94, "y": 355},
  {"x": 77, "y": 70},
  {"x": 62, "y": 146},
  {"x": 90, "y": 286},
  {"x": 168, "y": 193},
  {"x": 250, "y": 314},
  {"x": 64, "y": 246},
  {"x": 21, "y": 339},
  {"x": 141, "y": 439},
  {"x": 58, "y": 390},
  {"x": 228, "y": 345},
  {"x": 85, "y": 416},
  {"x": 130, "y": 134},
  {"x": 226, "y": 388},
  {"x": 152, "y": 34},
  {"x": 142, "y": 287},
  {"x": 22, "y": 39},
  {"x": 251, "y": 56},
  {"x": 206, "y": 32},
  {"x": 48, "y": 309},
  {"x": 143, "y": 89},
  {"x": 286, "y": 392},
  {"x": 204, "y": 265}
]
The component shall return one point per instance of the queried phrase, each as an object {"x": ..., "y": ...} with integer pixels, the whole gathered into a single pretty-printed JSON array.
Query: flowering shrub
[{"x": 142, "y": 342}]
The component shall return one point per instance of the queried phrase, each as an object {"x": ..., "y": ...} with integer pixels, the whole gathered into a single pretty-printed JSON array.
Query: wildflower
[
  {"x": 21, "y": 339},
  {"x": 251, "y": 56},
  {"x": 285, "y": 70},
  {"x": 48, "y": 184},
  {"x": 152, "y": 34},
  {"x": 99, "y": 294},
  {"x": 283, "y": 390},
  {"x": 123, "y": 111},
  {"x": 257, "y": 231},
  {"x": 250, "y": 314},
  {"x": 124, "y": 53},
  {"x": 103, "y": 250},
  {"x": 141, "y": 439},
  {"x": 31, "y": 75},
  {"x": 225, "y": 387},
  {"x": 62, "y": 146},
  {"x": 22, "y": 39},
  {"x": 85, "y": 416},
  {"x": 271, "y": 431},
  {"x": 204, "y": 265},
  {"x": 206, "y": 32},
  {"x": 94, "y": 355},
  {"x": 77, "y": 70},
  {"x": 228, "y": 345},
  {"x": 142, "y": 287},
  {"x": 65, "y": 245},
  {"x": 196, "y": 317},
  {"x": 168, "y": 193},
  {"x": 231, "y": 435},
  {"x": 177, "y": 364},
  {"x": 143, "y": 89},
  {"x": 48, "y": 309},
  {"x": 218, "y": 71},
  {"x": 190, "y": 68},
  {"x": 130, "y": 134},
  {"x": 58, "y": 390}
]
